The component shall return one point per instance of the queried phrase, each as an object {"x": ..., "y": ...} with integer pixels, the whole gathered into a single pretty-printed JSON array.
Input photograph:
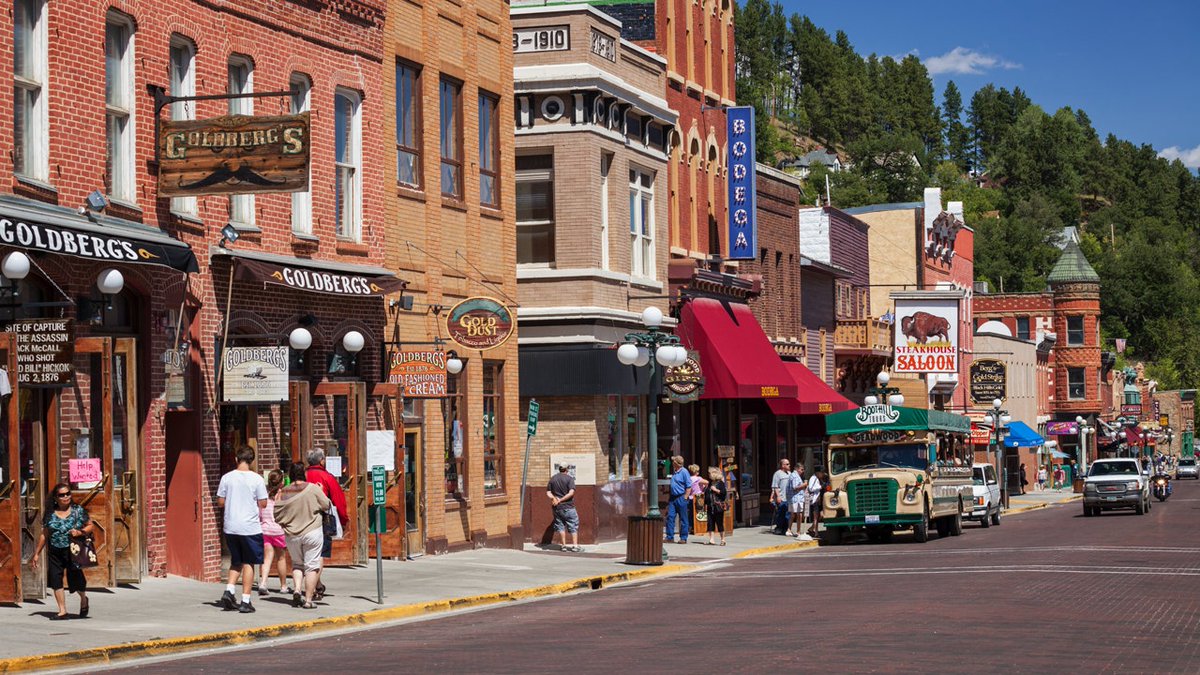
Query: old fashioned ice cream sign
[
  {"x": 235, "y": 154},
  {"x": 479, "y": 323},
  {"x": 421, "y": 373},
  {"x": 254, "y": 374}
]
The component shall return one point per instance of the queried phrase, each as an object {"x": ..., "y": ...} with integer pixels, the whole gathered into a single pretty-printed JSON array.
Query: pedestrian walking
[
  {"x": 316, "y": 473},
  {"x": 696, "y": 486},
  {"x": 274, "y": 541},
  {"x": 1024, "y": 478},
  {"x": 64, "y": 520},
  {"x": 816, "y": 486},
  {"x": 299, "y": 512},
  {"x": 1060, "y": 477},
  {"x": 678, "y": 507},
  {"x": 242, "y": 493},
  {"x": 1041, "y": 478},
  {"x": 715, "y": 500},
  {"x": 779, "y": 488},
  {"x": 561, "y": 491},
  {"x": 797, "y": 498}
]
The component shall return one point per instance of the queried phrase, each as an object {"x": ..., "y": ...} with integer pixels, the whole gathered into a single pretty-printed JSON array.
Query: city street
[{"x": 1049, "y": 590}]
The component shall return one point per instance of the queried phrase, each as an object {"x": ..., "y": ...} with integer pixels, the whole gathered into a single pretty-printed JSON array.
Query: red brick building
[
  {"x": 163, "y": 442},
  {"x": 1068, "y": 316}
]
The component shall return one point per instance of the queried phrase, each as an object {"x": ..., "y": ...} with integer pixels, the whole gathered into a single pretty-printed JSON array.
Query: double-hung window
[
  {"x": 450, "y": 137},
  {"x": 241, "y": 81},
  {"x": 408, "y": 125},
  {"x": 348, "y": 156},
  {"x": 301, "y": 88},
  {"x": 535, "y": 209},
  {"x": 489, "y": 150},
  {"x": 1076, "y": 384},
  {"x": 183, "y": 83},
  {"x": 1074, "y": 330},
  {"x": 1022, "y": 328},
  {"x": 641, "y": 223},
  {"x": 30, "y": 119},
  {"x": 118, "y": 100}
]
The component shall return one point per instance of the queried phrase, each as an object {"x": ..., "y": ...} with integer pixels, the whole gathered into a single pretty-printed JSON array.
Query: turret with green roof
[{"x": 1072, "y": 268}]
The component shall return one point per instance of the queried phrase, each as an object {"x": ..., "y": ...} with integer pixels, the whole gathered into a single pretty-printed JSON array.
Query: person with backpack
[{"x": 715, "y": 497}]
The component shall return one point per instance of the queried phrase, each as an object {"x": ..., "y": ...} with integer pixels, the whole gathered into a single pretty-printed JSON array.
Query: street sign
[
  {"x": 378, "y": 485},
  {"x": 534, "y": 407}
]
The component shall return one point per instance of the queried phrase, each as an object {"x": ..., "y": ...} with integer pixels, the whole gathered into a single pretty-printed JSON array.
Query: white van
[{"x": 985, "y": 507}]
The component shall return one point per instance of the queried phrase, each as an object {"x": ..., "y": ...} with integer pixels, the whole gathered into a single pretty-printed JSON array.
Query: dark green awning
[{"x": 897, "y": 419}]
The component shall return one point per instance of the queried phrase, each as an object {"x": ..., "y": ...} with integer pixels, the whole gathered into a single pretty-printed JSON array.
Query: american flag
[{"x": 1120, "y": 345}]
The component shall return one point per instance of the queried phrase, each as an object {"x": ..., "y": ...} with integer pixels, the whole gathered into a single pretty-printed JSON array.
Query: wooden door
[
  {"x": 86, "y": 432},
  {"x": 385, "y": 441},
  {"x": 414, "y": 492},
  {"x": 35, "y": 416},
  {"x": 338, "y": 427},
  {"x": 128, "y": 479},
  {"x": 185, "y": 489},
  {"x": 10, "y": 475}
]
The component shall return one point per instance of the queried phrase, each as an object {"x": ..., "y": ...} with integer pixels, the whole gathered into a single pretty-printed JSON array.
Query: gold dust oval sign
[{"x": 479, "y": 323}]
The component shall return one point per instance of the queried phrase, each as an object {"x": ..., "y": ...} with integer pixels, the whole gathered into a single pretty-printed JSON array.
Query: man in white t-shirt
[{"x": 242, "y": 493}]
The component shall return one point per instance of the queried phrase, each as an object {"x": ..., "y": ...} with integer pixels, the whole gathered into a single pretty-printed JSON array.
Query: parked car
[
  {"x": 985, "y": 506},
  {"x": 1186, "y": 468},
  {"x": 1116, "y": 484}
]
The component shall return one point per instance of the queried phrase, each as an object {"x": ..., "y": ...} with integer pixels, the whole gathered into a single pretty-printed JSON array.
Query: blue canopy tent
[{"x": 1021, "y": 436}]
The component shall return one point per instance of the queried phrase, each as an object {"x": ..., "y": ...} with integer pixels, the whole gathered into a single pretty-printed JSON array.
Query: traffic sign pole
[
  {"x": 530, "y": 432},
  {"x": 378, "y": 498}
]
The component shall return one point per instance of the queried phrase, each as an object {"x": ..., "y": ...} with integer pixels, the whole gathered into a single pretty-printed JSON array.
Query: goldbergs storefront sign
[
  {"x": 319, "y": 281},
  {"x": 93, "y": 246}
]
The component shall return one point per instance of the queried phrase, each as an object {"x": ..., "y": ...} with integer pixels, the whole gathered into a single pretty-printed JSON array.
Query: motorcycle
[{"x": 1161, "y": 487}]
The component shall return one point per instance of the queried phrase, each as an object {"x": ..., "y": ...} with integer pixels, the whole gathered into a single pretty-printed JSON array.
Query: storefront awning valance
[
  {"x": 737, "y": 358},
  {"x": 315, "y": 276},
  {"x": 1021, "y": 436},
  {"x": 814, "y": 397},
  {"x": 905, "y": 419},
  {"x": 578, "y": 370},
  {"x": 54, "y": 229}
]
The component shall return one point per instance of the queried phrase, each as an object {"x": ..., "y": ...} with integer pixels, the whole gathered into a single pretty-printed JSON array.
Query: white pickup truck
[{"x": 985, "y": 506}]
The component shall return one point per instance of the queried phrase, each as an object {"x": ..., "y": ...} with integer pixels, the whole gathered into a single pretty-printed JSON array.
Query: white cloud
[
  {"x": 963, "y": 61},
  {"x": 1189, "y": 157}
]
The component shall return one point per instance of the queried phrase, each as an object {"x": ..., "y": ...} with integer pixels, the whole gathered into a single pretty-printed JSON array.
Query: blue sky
[{"x": 1133, "y": 66}]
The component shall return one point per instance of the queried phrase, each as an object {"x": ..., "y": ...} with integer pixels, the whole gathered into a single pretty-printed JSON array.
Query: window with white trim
[
  {"x": 30, "y": 120},
  {"x": 535, "y": 209},
  {"x": 118, "y": 105},
  {"x": 408, "y": 125},
  {"x": 241, "y": 81},
  {"x": 183, "y": 83},
  {"x": 298, "y": 102},
  {"x": 606, "y": 160},
  {"x": 489, "y": 150},
  {"x": 348, "y": 160},
  {"x": 641, "y": 223}
]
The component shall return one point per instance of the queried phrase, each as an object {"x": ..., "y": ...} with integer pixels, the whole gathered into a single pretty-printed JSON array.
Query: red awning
[
  {"x": 814, "y": 397},
  {"x": 1133, "y": 436},
  {"x": 736, "y": 357}
]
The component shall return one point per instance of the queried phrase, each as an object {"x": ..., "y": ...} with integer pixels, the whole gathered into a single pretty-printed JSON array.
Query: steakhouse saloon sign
[{"x": 235, "y": 154}]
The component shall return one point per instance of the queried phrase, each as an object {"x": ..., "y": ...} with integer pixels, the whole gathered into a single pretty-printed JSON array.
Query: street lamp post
[
  {"x": 1000, "y": 420},
  {"x": 1084, "y": 430},
  {"x": 667, "y": 352},
  {"x": 882, "y": 392}
]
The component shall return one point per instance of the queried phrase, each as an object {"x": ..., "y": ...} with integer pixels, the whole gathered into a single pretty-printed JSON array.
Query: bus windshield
[{"x": 913, "y": 456}]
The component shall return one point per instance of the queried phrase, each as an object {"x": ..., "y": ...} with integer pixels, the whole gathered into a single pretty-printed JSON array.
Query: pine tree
[{"x": 958, "y": 136}]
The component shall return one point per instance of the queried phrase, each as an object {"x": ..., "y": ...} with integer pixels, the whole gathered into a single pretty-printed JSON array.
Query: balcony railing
[{"x": 864, "y": 334}]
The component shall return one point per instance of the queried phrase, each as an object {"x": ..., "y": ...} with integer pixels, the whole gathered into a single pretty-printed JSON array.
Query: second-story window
[
  {"x": 535, "y": 209},
  {"x": 241, "y": 81},
  {"x": 30, "y": 120},
  {"x": 118, "y": 99},
  {"x": 450, "y": 137},
  {"x": 408, "y": 125},
  {"x": 1076, "y": 384},
  {"x": 1074, "y": 330},
  {"x": 183, "y": 83},
  {"x": 1022, "y": 328},
  {"x": 347, "y": 190},
  {"x": 489, "y": 150},
  {"x": 641, "y": 223},
  {"x": 301, "y": 88}
]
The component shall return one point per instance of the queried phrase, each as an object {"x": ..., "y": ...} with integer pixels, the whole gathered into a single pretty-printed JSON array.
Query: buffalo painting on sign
[{"x": 926, "y": 336}]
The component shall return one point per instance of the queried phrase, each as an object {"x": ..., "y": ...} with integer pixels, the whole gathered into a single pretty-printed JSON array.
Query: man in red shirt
[{"x": 316, "y": 473}]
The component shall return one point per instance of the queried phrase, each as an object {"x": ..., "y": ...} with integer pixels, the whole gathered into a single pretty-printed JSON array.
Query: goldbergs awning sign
[
  {"x": 93, "y": 246},
  {"x": 345, "y": 284}
]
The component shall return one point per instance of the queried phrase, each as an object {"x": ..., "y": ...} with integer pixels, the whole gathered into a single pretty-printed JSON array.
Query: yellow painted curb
[
  {"x": 1034, "y": 507},
  {"x": 109, "y": 654},
  {"x": 766, "y": 550}
]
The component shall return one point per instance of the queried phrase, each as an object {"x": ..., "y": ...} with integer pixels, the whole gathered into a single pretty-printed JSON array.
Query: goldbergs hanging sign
[{"x": 235, "y": 154}]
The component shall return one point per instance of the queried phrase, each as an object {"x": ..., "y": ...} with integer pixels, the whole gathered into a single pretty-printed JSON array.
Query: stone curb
[
  {"x": 1034, "y": 507},
  {"x": 109, "y": 655}
]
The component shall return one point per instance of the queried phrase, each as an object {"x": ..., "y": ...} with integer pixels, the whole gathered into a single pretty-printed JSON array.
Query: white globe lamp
[
  {"x": 643, "y": 356},
  {"x": 454, "y": 365},
  {"x": 627, "y": 353},
  {"x": 652, "y": 317},
  {"x": 15, "y": 266},
  {"x": 353, "y": 342},
  {"x": 300, "y": 339},
  {"x": 110, "y": 281}
]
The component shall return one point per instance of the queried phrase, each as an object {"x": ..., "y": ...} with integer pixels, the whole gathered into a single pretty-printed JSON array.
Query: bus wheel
[
  {"x": 921, "y": 529},
  {"x": 832, "y": 536},
  {"x": 956, "y": 523}
]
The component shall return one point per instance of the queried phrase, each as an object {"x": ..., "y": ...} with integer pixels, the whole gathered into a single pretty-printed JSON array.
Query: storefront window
[
  {"x": 453, "y": 415},
  {"x": 635, "y": 447},
  {"x": 613, "y": 444},
  {"x": 747, "y": 454},
  {"x": 493, "y": 426}
]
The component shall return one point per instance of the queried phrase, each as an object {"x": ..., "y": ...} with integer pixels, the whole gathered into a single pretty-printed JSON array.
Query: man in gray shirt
[
  {"x": 561, "y": 491},
  {"x": 779, "y": 495}
]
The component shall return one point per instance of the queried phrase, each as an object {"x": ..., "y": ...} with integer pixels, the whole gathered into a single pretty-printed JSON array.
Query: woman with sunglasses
[{"x": 64, "y": 519}]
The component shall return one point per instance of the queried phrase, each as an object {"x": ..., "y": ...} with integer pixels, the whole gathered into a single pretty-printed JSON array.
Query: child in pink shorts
[{"x": 274, "y": 542}]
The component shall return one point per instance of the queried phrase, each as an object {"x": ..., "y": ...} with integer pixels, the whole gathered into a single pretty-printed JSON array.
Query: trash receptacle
[{"x": 644, "y": 545}]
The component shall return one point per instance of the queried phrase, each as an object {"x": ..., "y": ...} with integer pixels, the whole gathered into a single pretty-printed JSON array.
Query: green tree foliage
[{"x": 957, "y": 135}]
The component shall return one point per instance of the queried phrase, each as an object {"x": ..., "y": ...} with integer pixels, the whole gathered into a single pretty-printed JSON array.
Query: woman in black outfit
[{"x": 714, "y": 497}]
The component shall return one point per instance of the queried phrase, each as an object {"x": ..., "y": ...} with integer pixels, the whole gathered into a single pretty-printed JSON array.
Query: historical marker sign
[
  {"x": 989, "y": 381},
  {"x": 234, "y": 154},
  {"x": 45, "y": 352}
]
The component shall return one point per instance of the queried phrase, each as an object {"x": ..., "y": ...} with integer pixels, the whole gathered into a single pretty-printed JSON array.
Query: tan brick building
[
  {"x": 592, "y": 135},
  {"x": 450, "y": 205}
]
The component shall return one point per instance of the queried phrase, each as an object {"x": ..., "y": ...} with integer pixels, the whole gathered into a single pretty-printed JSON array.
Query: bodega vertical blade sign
[{"x": 743, "y": 225}]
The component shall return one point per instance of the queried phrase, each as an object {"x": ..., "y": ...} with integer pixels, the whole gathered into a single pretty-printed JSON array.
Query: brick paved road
[{"x": 1049, "y": 591}]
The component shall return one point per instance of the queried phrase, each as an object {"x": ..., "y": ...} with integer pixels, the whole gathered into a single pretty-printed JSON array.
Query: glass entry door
[
  {"x": 85, "y": 432},
  {"x": 10, "y": 474},
  {"x": 34, "y": 415},
  {"x": 385, "y": 433},
  {"x": 338, "y": 427},
  {"x": 414, "y": 493},
  {"x": 129, "y": 549}
]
